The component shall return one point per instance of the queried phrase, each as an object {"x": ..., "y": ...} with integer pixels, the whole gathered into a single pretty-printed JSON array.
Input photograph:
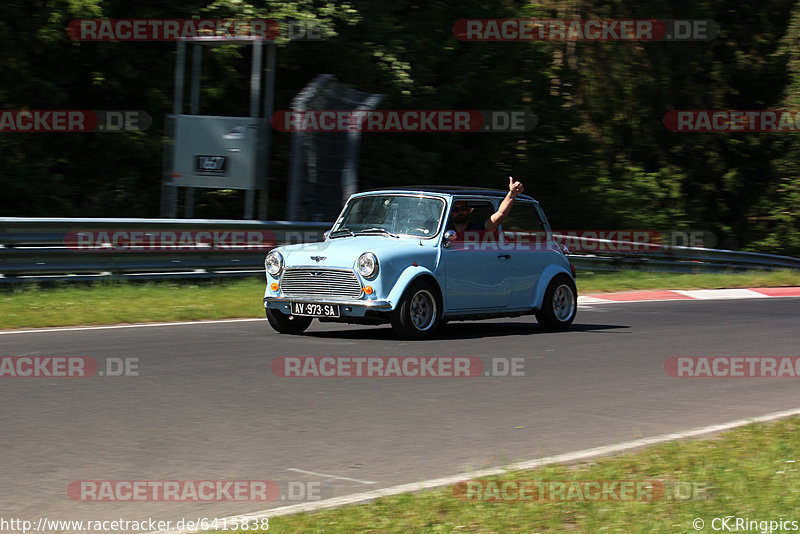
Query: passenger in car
[{"x": 459, "y": 214}]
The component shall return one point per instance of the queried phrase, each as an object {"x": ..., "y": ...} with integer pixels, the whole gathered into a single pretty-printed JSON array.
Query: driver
[{"x": 459, "y": 214}]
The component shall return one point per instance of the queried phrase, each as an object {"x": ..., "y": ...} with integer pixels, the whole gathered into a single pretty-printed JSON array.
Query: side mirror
[
  {"x": 448, "y": 236},
  {"x": 325, "y": 235}
]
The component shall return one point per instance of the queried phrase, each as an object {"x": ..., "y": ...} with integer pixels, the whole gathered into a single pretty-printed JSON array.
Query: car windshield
[{"x": 390, "y": 216}]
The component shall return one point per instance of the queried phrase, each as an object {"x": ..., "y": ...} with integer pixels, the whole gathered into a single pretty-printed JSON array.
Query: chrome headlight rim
[
  {"x": 274, "y": 267},
  {"x": 367, "y": 265}
]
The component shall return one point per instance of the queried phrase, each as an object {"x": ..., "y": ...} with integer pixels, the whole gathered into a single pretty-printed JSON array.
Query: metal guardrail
[
  {"x": 46, "y": 249},
  {"x": 625, "y": 255},
  {"x": 40, "y": 249}
]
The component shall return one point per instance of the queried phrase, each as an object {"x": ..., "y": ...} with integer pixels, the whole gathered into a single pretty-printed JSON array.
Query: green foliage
[{"x": 600, "y": 156}]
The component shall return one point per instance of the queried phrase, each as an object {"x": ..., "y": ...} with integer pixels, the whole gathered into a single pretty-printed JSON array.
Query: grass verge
[
  {"x": 752, "y": 472},
  {"x": 130, "y": 302},
  {"x": 30, "y": 306}
]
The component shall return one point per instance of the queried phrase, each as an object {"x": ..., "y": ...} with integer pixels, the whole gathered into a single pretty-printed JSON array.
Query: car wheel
[
  {"x": 287, "y": 324},
  {"x": 419, "y": 313},
  {"x": 560, "y": 304}
]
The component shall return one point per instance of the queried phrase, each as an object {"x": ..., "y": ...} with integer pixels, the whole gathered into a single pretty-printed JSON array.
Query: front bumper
[{"x": 348, "y": 308}]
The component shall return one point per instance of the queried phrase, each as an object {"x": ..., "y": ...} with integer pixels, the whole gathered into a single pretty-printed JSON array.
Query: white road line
[
  {"x": 110, "y": 327},
  {"x": 610, "y": 301},
  {"x": 585, "y": 299},
  {"x": 569, "y": 457},
  {"x": 596, "y": 300},
  {"x": 714, "y": 294},
  {"x": 330, "y": 476}
]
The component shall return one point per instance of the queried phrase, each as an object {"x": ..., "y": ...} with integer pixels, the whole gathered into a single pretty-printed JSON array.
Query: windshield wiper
[
  {"x": 380, "y": 230},
  {"x": 341, "y": 230}
]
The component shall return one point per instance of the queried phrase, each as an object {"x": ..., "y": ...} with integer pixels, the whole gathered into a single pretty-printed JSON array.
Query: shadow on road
[{"x": 460, "y": 330}]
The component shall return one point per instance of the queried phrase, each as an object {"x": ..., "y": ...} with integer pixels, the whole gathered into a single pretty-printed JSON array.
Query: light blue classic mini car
[{"x": 394, "y": 256}]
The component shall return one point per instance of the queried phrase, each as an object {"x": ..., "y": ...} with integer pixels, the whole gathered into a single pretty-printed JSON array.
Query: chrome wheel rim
[
  {"x": 563, "y": 302},
  {"x": 422, "y": 310}
]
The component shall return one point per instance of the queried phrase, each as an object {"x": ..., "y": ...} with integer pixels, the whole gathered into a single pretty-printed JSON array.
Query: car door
[
  {"x": 526, "y": 238},
  {"x": 478, "y": 271}
]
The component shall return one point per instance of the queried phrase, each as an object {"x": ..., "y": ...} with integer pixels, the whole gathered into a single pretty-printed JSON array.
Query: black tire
[
  {"x": 419, "y": 313},
  {"x": 287, "y": 324},
  {"x": 560, "y": 304}
]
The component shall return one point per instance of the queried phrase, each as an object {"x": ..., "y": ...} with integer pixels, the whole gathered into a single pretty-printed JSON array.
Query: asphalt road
[{"x": 206, "y": 405}]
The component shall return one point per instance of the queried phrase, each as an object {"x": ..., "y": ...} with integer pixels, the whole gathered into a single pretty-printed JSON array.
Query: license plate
[
  {"x": 311, "y": 309},
  {"x": 211, "y": 166}
]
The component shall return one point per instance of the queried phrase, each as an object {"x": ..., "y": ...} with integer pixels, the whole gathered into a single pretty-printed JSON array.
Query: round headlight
[
  {"x": 367, "y": 265},
  {"x": 274, "y": 263}
]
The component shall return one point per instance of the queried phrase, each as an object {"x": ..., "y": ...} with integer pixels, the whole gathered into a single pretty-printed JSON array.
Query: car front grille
[{"x": 329, "y": 284}]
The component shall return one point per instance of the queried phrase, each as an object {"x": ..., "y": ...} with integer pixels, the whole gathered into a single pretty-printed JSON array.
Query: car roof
[{"x": 453, "y": 190}]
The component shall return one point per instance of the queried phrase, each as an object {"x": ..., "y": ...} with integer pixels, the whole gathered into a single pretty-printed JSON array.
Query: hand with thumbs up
[{"x": 515, "y": 187}]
